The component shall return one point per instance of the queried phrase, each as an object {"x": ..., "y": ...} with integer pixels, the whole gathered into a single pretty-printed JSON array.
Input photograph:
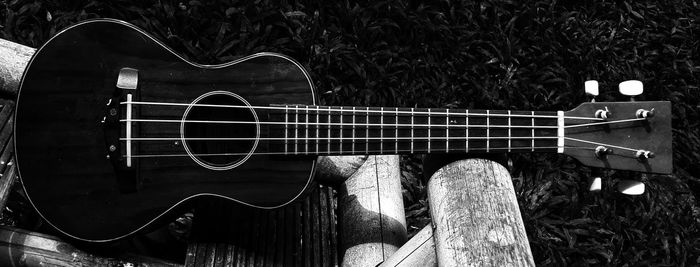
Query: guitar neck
[{"x": 335, "y": 130}]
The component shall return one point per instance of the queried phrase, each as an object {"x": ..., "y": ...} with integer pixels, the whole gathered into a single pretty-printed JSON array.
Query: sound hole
[{"x": 216, "y": 137}]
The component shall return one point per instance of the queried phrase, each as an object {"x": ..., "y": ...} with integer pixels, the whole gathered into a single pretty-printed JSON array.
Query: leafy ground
[{"x": 482, "y": 54}]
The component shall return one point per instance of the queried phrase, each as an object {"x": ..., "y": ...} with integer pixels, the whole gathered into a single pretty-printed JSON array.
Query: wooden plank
[
  {"x": 289, "y": 236},
  {"x": 335, "y": 169},
  {"x": 315, "y": 229},
  {"x": 298, "y": 234},
  {"x": 333, "y": 222},
  {"x": 24, "y": 248},
  {"x": 14, "y": 58},
  {"x": 281, "y": 244},
  {"x": 271, "y": 238},
  {"x": 190, "y": 258},
  {"x": 307, "y": 255},
  {"x": 371, "y": 216},
  {"x": 325, "y": 227},
  {"x": 476, "y": 216},
  {"x": 418, "y": 251}
]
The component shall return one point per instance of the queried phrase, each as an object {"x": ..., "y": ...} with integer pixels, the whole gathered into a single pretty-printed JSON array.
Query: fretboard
[{"x": 333, "y": 130}]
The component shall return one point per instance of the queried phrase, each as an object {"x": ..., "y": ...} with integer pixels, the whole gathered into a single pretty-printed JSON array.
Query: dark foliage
[{"x": 482, "y": 54}]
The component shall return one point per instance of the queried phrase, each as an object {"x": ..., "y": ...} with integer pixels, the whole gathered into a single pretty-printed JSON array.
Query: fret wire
[
  {"x": 296, "y": 130},
  {"x": 286, "y": 129},
  {"x": 412, "y": 130},
  {"x": 306, "y": 146},
  {"x": 353, "y": 130},
  {"x": 533, "y": 131},
  {"x": 318, "y": 126},
  {"x": 488, "y": 131},
  {"x": 429, "y": 130},
  {"x": 509, "y": 135},
  {"x": 341, "y": 130},
  {"x": 381, "y": 131},
  {"x": 447, "y": 130},
  {"x": 329, "y": 129},
  {"x": 466, "y": 130},
  {"x": 367, "y": 130},
  {"x": 396, "y": 133}
]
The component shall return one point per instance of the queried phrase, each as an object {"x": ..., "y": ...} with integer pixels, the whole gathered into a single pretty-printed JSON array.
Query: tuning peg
[
  {"x": 631, "y": 88},
  {"x": 630, "y": 187},
  {"x": 595, "y": 184},
  {"x": 591, "y": 88}
]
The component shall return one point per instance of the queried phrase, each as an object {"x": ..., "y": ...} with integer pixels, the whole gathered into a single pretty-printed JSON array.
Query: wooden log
[
  {"x": 14, "y": 58},
  {"x": 371, "y": 219},
  {"x": 337, "y": 169},
  {"x": 476, "y": 216},
  {"x": 418, "y": 251},
  {"x": 25, "y": 248}
]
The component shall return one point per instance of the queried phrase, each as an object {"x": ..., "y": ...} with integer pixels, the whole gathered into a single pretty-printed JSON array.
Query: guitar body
[{"x": 62, "y": 147}]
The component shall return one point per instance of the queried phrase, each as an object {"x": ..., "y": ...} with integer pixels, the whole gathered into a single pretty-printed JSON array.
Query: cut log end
[{"x": 476, "y": 216}]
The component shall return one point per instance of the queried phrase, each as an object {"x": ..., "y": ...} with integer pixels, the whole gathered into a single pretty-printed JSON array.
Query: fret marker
[{"x": 560, "y": 131}]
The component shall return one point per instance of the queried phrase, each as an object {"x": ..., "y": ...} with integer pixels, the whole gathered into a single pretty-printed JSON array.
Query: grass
[{"x": 485, "y": 54}]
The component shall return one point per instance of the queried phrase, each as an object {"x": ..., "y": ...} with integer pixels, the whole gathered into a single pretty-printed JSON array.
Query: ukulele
[{"x": 114, "y": 131}]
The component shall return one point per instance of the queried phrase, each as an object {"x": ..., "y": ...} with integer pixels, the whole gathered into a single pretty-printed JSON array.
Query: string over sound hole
[{"x": 220, "y": 130}]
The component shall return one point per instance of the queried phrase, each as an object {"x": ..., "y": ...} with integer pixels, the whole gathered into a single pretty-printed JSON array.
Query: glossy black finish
[{"x": 61, "y": 147}]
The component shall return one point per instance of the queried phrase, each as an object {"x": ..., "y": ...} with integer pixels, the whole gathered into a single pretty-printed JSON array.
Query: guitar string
[
  {"x": 334, "y": 152},
  {"x": 387, "y": 111},
  {"x": 342, "y": 124},
  {"x": 384, "y": 124},
  {"x": 325, "y": 138},
  {"x": 372, "y": 138}
]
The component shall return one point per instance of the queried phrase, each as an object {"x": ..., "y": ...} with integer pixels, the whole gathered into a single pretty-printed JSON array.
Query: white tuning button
[
  {"x": 595, "y": 184},
  {"x": 630, "y": 187},
  {"x": 591, "y": 88},
  {"x": 631, "y": 88}
]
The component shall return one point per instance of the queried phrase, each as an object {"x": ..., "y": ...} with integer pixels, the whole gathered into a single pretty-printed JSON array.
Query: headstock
[{"x": 633, "y": 136}]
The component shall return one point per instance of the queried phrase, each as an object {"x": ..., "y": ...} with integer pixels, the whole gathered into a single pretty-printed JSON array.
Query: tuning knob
[
  {"x": 591, "y": 88},
  {"x": 595, "y": 184},
  {"x": 631, "y": 187},
  {"x": 631, "y": 88}
]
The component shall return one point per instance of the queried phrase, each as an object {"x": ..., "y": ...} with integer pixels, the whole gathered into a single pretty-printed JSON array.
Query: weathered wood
[
  {"x": 296, "y": 235},
  {"x": 337, "y": 169},
  {"x": 371, "y": 218},
  {"x": 24, "y": 248},
  {"x": 418, "y": 251},
  {"x": 476, "y": 216},
  {"x": 14, "y": 58}
]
